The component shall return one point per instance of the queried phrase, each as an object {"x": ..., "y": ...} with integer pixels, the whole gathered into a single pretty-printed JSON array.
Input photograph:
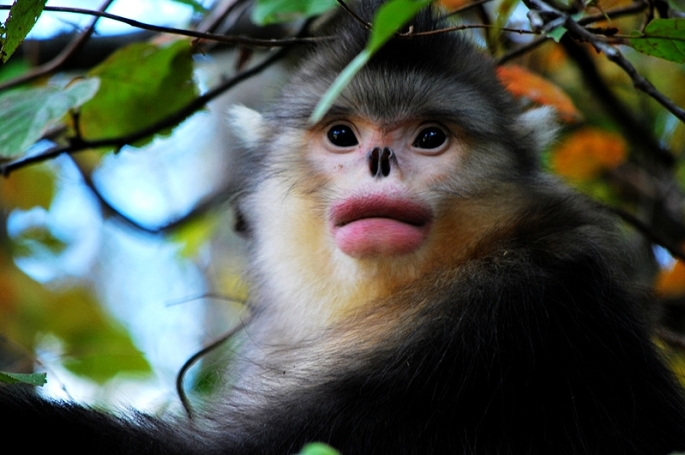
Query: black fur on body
[{"x": 519, "y": 335}]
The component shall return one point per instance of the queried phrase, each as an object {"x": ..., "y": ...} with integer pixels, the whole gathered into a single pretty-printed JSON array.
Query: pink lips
[{"x": 379, "y": 225}]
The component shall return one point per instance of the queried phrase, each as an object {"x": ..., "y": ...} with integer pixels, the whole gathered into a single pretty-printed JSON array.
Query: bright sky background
[{"x": 158, "y": 12}]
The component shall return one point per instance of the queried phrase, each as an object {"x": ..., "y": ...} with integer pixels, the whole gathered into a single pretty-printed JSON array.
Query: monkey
[{"x": 418, "y": 284}]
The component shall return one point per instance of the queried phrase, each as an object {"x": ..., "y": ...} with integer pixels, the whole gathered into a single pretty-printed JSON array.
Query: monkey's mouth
[{"x": 380, "y": 225}]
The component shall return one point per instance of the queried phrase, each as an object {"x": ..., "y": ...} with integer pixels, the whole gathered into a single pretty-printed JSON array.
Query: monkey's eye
[
  {"x": 430, "y": 138},
  {"x": 342, "y": 136}
]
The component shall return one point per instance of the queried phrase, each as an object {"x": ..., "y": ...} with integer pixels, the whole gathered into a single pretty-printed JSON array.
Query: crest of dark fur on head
[{"x": 429, "y": 76}]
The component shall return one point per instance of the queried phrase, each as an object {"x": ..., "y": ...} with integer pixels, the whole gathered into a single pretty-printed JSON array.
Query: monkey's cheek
[{"x": 371, "y": 237}]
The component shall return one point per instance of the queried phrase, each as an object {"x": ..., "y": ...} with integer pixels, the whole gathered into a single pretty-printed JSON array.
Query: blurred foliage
[
  {"x": 138, "y": 80},
  {"x": 618, "y": 145},
  {"x": 318, "y": 449},
  {"x": 588, "y": 153},
  {"x": 528, "y": 86},
  {"x": 37, "y": 379},
  {"x": 27, "y": 115},
  {"x": 276, "y": 11}
]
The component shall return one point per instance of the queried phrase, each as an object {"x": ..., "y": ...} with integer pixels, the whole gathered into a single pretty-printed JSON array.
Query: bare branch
[
  {"x": 457, "y": 28},
  {"x": 522, "y": 49},
  {"x": 244, "y": 40},
  {"x": 614, "y": 55},
  {"x": 641, "y": 137},
  {"x": 197, "y": 356},
  {"x": 210, "y": 23},
  {"x": 352, "y": 13},
  {"x": 610, "y": 14},
  {"x": 649, "y": 233},
  {"x": 614, "y": 13},
  {"x": 199, "y": 209}
]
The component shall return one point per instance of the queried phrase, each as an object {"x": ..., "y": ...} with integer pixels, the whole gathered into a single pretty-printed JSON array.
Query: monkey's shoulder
[{"x": 554, "y": 230}]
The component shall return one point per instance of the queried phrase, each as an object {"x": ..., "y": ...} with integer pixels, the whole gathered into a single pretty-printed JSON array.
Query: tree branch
[
  {"x": 646, "y": 230},
  {"x": 637, "y": 133},
  {"x": 198, "y": 210},
  {"x": 614, "y": 55},
  {"x": 198, "y": 355},
  {"x": 610, "y": 14},
  {"x": 61, "y": 58},
  {"x": 458, "y": 28},
  {"x": 79, "y": 144},
  {"x": 244, "y": 40},
  {"x": 352, "y": 13}
]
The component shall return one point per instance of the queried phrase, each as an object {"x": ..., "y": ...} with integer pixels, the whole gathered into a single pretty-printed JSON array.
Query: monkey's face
[{"x": 380, "y": 175}]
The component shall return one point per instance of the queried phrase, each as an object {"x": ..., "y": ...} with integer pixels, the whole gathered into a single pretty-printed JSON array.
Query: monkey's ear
[
  {"x": 246, "y": 124},
  {"x": 540, "y": 125}
]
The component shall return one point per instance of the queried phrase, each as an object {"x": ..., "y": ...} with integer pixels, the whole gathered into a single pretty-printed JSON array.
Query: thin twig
[
  {"x": 467, "y": 27},
  {"x": 197, "y": 356},
  {"x": 210, "y": 23},
  {"x": 354, "y": 14},
  {"x": 611, "y": 14},
  {"x": 640, "y": 137},
  {"x": 513, "y": 53},
  {"x": 184, "y": 32},
  {"x": 614, "y": 55},
  {"x": 614, "y": 13},
  {"x": 74, "y": 46},
  {"x": 649, "y": 233},
  {"x": 206, "y": 296}
]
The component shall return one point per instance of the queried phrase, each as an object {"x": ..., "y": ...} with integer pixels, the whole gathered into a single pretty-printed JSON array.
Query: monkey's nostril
[
  {"x": 374, "y": 158},
  {"x": 385, "y": 160},
  {"x": 380, "y": 161}
]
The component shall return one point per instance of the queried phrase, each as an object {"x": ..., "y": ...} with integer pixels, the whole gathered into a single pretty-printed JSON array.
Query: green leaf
[
  {"x": 275, "y": 11},
  {"x": 318, "y": 448},
  {"x": 25, "y": 115},
  {"x": 195, "y": 4},
  {"x": 339, "y": 84},
  {"x": 14, "y": 68},
  {"x": 38, "y": 241},
  {"x": 141, "y": 84},
  {"x": 663, "y": 38},
  {"x": 33, "y": 187},
  {"x": 23, "y": 16},
  {"x": 504, "y": 12},
  {"x": 557, "y": 33},
  {"x": 389, "y": 19},
  {"x": 95, "y": 345},
  {"x": 37, "y": 379},
  {"x": 191, "y": 236}
]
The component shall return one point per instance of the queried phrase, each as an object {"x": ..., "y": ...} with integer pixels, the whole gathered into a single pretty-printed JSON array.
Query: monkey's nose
[{"x": 380, "y": 161}]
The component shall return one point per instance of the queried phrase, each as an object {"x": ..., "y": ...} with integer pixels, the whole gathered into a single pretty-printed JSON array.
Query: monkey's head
[{"x": 421, "y": 152}]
